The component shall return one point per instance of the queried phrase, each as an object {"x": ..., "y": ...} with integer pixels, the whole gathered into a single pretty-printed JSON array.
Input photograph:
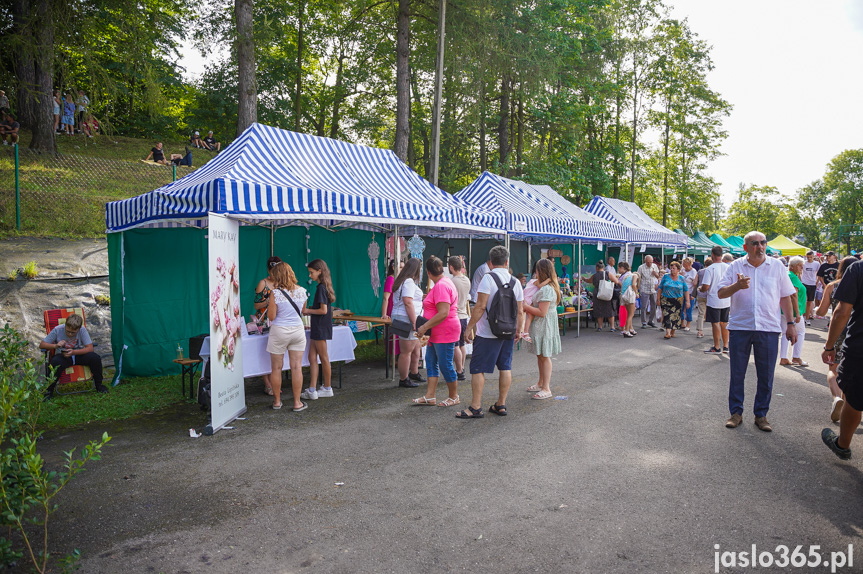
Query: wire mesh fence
[{"x": 65, "y": 195}]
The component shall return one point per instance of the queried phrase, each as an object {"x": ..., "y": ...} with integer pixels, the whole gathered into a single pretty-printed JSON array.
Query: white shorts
[{"x": 286, "y": 339}]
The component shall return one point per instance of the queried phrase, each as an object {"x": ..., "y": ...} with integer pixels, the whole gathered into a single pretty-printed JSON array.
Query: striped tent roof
[
  {"x": 596, "y": 227},
  {"x": 528, "y": 214},
  {"x": 278, "y": 176},
  {"x": 640, "y": 227}
]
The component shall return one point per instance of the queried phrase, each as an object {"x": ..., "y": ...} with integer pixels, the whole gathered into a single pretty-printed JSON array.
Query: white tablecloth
[{"x": 256, "y": 359}]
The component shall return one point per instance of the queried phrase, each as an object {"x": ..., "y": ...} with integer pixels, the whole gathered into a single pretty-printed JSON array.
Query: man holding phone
[
  {"x": 759, "y": 287},
  {"x": 72, "y": 346}
]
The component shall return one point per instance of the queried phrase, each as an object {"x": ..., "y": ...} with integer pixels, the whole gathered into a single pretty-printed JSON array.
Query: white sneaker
[
  {"x": 309, "y": 394},
  {"x": 325, "y": 392}
]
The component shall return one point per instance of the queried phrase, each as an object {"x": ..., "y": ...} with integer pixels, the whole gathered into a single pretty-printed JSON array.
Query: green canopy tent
[
  {"x": 694, "y": 247},
  {"x": 733, "y": 249}
]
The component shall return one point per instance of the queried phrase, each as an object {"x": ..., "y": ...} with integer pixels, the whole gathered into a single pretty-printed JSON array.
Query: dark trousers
[
  {"x": 91, "y": 360},
  {"x": 185, "y": 160},
  {"x": 765, "y": 347}
]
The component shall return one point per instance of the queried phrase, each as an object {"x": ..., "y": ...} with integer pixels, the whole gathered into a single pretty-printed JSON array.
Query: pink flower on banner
[
  {"x": 216, "y": 319},
  {"x": 235, "y": 278},
  {"x": 231, "y": 347},
  {"x": 219, "y": 265},
  {"x": 236, "y": 308},
  {"x": 226, "y": 318}
]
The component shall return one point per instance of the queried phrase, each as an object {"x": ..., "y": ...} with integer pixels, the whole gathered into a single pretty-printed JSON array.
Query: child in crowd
[
  {"x": 4, "y": 102},
  {"x": 321, "y": 330},
  {"x": 531, "y": 289},
  {"x": 69, "y": 115}
]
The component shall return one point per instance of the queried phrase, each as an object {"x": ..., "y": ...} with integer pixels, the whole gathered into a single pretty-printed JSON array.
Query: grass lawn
[
  {"x": 65, "y": 194},
  {"x": 142, "y": 395}
]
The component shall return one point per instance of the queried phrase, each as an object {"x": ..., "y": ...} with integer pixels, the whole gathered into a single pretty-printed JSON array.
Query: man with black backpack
[{"x": 498, "y": 317}]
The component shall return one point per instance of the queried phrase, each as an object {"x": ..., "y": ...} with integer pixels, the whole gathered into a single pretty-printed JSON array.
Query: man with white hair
[
  {"x": 648, "y": 275},
  {"x": 758, "y": 287},
  {"x": 810, "y": 279}
]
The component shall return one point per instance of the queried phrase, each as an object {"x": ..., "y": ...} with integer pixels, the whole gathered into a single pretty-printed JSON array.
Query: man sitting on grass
[
  {"x": 210, "y": 142},
  {"x": 9, "y": 127},
  {"x": 157, "y": 154},
  {"x": 195, "y": 140},
  {"x": 72, "y": 345}
]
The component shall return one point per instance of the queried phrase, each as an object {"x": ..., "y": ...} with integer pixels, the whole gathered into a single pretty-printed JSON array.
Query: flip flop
[
  {"x": 276, "y": 407},
  {"x": 801, "y": 364},
  {"x": 540, "y": 396},
  {"x": 298, "y": 409}
]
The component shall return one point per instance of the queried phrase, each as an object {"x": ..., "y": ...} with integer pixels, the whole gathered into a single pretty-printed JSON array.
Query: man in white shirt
[
  {"x": 490, "y": 351},
  {"x": 810, "y": 280},
  {"x": 758, "y": 287},
  {"x": 480, "y": 272},
  {"x": 717, "y": 309},
  {"x": 648, "y": 275}
]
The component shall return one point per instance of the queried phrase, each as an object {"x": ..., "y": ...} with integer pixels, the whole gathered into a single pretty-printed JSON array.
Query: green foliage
[
  {"x": 761, "y": 209},
  {"x": 27, "y": 487},
  {"x": 30, "y": 271}
]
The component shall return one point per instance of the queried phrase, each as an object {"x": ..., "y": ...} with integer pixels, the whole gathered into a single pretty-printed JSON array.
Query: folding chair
[{"x": 76, "y": 376}]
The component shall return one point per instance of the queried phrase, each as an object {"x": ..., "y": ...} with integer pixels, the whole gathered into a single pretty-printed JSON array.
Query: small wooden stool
[{"x": 188, "y": 366}]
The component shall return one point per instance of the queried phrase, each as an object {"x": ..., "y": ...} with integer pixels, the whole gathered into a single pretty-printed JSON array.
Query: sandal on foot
[
  {"x": 425, "y": 401},
  {"x": 470, "y": 413},
  {"x": 499, "y": 410},
  {"x": 667, "y": 337},
  {"x": 276, "y": 407},
  {"x": 298, "y": 409},
  {"x": 268, "y": 391},
  {"x": 542, "y": 395},
  {"x": 784, "y": 362},
  {"x": 448, "y": 402},
  {"x": 526, "y": 338},
  {"x": 534, "y": 389}
]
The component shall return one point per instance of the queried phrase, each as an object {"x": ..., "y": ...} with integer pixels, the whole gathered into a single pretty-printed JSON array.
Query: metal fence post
[
  {"x": 17, "y": 192},
  {"x": 174, "y": 171}
]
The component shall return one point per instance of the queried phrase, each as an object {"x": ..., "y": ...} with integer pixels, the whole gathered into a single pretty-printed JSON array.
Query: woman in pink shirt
[{"x": 440, "y": 309}]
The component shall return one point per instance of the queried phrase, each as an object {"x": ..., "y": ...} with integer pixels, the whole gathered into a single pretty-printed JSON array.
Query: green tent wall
[{"x": 159, "y": 288}]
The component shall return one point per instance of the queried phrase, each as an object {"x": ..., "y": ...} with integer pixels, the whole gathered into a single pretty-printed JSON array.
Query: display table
[{"x": 256, "y": 359}]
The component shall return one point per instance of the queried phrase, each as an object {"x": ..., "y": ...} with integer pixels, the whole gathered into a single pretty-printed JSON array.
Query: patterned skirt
[{"x": 671, "y": 311}]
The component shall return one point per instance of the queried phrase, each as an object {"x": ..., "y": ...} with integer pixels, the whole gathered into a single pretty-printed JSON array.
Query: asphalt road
[{"x": 633, "y": 472}]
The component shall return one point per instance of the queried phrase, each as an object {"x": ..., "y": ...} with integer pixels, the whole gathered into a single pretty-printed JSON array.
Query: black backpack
[{"x": 503, "y": 311}]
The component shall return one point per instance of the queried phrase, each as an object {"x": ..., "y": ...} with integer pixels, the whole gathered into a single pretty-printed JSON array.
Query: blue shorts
[{"x": 490, "y": 353}]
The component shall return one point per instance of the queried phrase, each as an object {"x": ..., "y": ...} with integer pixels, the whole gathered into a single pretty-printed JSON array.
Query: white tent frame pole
[
  {"x": 529, "y": 257},
  {"x": 469, "y": 255},
  {"x": 577, "y": 270},
  {"x": 397, "y": 247}
]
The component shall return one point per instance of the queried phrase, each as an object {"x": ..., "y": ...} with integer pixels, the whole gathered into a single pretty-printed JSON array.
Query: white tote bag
[{"x": 606, "y": 289}]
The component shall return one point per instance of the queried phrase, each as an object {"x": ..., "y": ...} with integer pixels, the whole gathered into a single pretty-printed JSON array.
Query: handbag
[
  {"x": 422, "y": 321},
  {"x": 628, "y": 296},
  {"x": 606, "y": 289},
  {"x": 401, "y": 328}
]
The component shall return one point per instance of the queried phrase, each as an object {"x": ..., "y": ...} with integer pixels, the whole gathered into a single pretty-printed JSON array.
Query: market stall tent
[
  {"x": 297, "y": 196},
  {"x": 787, "y": 246},
  {"x": 640, "y": 227},
  {"x": 737, "y": 241},
  {"x": 733, "y": 249}
]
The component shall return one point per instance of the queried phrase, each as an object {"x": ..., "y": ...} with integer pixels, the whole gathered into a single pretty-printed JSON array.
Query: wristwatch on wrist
[
  {"x": 790, "y": 323},
  {"x": 826, "y": 348}
]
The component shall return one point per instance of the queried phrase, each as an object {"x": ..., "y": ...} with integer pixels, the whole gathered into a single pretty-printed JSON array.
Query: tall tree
[
  {"x": 247, "y": 84},
  {"x": 402, "y": 80}
]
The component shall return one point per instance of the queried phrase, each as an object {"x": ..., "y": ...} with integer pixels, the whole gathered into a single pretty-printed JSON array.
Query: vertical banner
[
  {"x": 228, "y": 396},
  {"x": 630, "y": 253}
]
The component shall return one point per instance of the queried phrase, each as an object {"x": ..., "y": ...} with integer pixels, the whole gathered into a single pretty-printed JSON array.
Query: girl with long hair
[
  {"x": 321, "y": 330},
  {"x": 544, "y": 333},
  {"x": 287, "y": 333},
  {"x": 261, "y": 302},
  {"x": 407, "y": 304}
]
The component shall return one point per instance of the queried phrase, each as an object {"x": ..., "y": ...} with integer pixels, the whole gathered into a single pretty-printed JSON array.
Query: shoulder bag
[{"x": 606, "y": 289}]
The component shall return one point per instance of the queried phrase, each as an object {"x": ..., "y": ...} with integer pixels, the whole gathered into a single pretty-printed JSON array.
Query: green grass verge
[
  {"x": 134, "y": 396},
  {"x": 142, "y": 395}
]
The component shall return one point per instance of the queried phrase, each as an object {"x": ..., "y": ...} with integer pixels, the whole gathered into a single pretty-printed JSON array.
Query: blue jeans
[
  {"x": 766, "y": 349},
  {"x": 440, "y": 355},
  {"x": 688, "y": 313}
]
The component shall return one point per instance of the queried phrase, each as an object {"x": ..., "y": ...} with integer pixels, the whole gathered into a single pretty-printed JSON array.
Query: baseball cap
[{"x": 197, "y": 134}]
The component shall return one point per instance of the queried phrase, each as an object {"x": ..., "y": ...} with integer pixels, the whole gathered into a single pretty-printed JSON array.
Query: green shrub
[{"x": 27, "y": 489}]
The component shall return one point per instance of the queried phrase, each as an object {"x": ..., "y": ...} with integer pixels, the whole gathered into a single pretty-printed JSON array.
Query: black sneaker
[
  {"x": 101, "y": 389},
  {"x": 713, "y": 351},
  {"x": 829, "y": 437},
  {"x": 416, "y": 377},
  {"x": 408, "y": 384},
  {"x": 725, "y": 350},
  {"x": 651, "y": 325},
  {"x": 460, "y": 376}
]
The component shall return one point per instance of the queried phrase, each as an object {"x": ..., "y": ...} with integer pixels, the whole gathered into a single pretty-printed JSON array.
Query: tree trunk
[
  {"x": 247, "y": 111},
  {"x": 402, "y": 80},
  {"x": 618, "y": 104},
  {"x": 634, "y": 143},
  {"x": 42, "y": 104},
  {"x": 665, "y": 164},
  {"x": 338, "y": 97},
  {"x": 503, "y": 124},
  {"x": 519, "y": 148},
  {"x": 25, "y": 66},
  {"x": 298, "y": 106},
  {"x": 483, "y": 152}
]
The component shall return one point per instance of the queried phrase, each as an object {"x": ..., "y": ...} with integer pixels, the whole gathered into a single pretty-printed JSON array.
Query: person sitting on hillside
[
  {"x": 210, "y": 142},
  {"x": 195, "y": 140},
  {"x": 72, "y": 345},
  {"x": 9, "y": 127},
  {"x": 4, "y": 102},
  {"x": 90, "y": 126},
  {"x": 157, "y": 154}
]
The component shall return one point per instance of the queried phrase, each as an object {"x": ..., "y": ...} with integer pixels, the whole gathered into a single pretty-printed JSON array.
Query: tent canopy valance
[
  {"x": 640, "y": 227},
  {"x": 530, "y": 215},
  {"x": 276, "y": 177}
]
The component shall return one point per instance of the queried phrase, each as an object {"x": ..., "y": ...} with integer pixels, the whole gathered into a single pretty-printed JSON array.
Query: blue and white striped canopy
[
  {"x": 530, "y": 216},
  {"x": 278, "y": 176},
  {"x": 639, "y": 226}
]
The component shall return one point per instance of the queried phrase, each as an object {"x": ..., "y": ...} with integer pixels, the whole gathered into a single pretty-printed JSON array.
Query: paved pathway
[{"x": 634, "y": 472}]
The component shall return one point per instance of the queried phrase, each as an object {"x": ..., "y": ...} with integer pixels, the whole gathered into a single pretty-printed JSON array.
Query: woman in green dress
[{"x": 544, "y": 332}]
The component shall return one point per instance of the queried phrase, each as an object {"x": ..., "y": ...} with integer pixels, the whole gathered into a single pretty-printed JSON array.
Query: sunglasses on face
[{"x": 754, "y": 243}]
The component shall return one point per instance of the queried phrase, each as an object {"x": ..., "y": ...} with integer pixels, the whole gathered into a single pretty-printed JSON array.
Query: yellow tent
[{"x": 787, "y": 247}]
